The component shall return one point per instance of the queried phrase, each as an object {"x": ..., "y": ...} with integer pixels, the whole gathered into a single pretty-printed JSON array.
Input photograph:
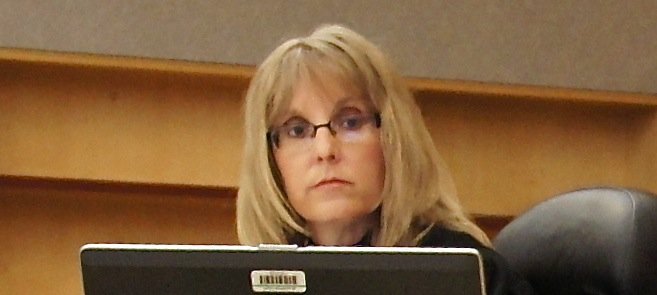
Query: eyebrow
[{"x": 341, "y": 103}]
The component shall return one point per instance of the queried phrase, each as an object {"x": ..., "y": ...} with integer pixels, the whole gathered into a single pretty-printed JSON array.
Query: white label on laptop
[{"x": 278, "y": 281}]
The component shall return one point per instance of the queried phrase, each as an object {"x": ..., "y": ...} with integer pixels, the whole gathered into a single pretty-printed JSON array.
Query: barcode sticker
[{"x": 278, "y": 281}]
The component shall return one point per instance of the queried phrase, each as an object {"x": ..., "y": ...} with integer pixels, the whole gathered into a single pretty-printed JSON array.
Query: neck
[{"x": 341, "y": 233}]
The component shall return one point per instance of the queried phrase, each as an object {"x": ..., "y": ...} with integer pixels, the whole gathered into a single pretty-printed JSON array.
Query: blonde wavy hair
[{"x": 418, "y": 191}]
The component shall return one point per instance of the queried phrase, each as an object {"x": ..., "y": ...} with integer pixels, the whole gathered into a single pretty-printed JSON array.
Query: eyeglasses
[{"x": 298, "y": 134}]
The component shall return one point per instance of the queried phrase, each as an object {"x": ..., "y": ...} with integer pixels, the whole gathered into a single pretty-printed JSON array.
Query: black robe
[{"x": 500, "y": 279}]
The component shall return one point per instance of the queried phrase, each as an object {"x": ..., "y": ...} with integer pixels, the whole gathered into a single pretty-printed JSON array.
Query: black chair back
[{"x": 591, "y": 241}]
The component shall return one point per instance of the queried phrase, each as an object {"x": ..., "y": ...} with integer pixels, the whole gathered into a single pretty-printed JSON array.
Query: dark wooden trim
[
  {"x": 496, "y": 91},
  {"x": 108, "y": 186},
  {"x": 492, "y": 224},
  {"x": 119, "y": 187},
  {"x": 240, "y": 75},
  {"x": 492, "y": 220}
]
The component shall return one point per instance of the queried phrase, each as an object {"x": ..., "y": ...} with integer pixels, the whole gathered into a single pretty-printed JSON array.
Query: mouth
[{"x": 331, "y": 182}]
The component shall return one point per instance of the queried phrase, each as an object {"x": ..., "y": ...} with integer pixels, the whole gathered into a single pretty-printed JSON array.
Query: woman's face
[{"x": 337, "y": 175}]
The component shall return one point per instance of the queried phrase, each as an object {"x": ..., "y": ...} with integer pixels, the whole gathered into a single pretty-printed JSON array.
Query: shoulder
[
  {"x": 500, "y": 279},
  {"x": 442, "y": 237}
]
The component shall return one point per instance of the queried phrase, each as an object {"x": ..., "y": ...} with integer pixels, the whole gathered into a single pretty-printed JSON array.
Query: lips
[{"x": 331, "y": 182}]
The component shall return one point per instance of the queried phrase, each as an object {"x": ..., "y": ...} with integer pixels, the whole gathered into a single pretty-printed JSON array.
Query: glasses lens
[
  {"x": 298, "y": 135},
  {"x": 293, "y": 134},
  {"x": 351, "y": 128}
]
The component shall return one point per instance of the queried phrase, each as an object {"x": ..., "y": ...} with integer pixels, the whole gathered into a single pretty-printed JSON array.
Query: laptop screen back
[{"x": 185, "y": 269}]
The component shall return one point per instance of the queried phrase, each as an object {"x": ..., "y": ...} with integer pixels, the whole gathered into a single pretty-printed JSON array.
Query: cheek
[
  {"x": 368, "y": 166},
  {"x": 290, "y": 174}
]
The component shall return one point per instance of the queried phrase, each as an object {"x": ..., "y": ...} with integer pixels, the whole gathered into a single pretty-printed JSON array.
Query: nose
[{"x": 325, "y": 145}]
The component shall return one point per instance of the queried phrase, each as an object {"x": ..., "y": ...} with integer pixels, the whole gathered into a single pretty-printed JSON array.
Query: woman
[{"x": 337, "y": 153}]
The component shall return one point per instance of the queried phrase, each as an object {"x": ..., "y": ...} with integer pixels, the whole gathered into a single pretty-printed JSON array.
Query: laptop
[{"x": 279, "y": 269}]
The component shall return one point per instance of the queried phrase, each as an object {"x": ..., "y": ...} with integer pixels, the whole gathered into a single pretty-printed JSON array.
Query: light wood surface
[
  {"x": 46, "y": 221},
  {"x": 111, "y": 141},
  {"x": 44, "y": 224},
  {"x": 171, "y": 122}
]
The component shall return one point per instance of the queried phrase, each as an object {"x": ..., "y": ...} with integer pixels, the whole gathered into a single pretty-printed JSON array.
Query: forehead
[
  {"x": 316, "y": 99},
  {"x": 327, "y": 93},
  {"x": 307, "y": 79}
]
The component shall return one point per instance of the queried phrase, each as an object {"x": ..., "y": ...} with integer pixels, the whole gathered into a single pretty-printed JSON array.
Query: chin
[
  {"x": 337, "y": 214},
  {"x": 336, "y": 207}
]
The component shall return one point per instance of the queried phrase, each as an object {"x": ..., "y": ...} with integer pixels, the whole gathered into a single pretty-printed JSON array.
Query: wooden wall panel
[
  {"x": 103, "y": 123},
  {"x": 43, "y": 228},
  {"x": 169, "y": 126},
  {"x": 643, "y": 157},
  {"x": 509, "y": 155},
  {"x": 115, "y": 138},
  {"x": 46, "y": 221}
]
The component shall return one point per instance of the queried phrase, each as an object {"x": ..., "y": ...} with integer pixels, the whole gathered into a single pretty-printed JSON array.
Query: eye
[
  {"x": 298, "y": 129},
  {"x": 351, "y": 122}
]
